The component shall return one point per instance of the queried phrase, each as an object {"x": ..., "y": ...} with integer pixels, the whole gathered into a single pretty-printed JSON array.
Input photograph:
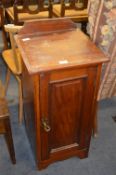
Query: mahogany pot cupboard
[{"x": 61, "y": 75}]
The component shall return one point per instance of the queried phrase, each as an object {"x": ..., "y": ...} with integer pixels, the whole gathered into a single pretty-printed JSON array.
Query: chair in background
[
  {"x": 102, "y": 30},
  {"x": 12, "y": 59},
  {"x": 5, "y": 127},
  {"x": 24, "y": 10},
  {"x": 4, "y": 36},
  {"x": 73, "y": 9},
  {"x": 0, "y": 14}
]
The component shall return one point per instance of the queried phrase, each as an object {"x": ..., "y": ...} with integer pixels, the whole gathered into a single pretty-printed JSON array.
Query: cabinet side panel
[{"x": 28, "y": 101}]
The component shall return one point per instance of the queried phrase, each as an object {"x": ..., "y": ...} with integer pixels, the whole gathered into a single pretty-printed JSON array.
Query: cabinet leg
[{"x": 83, "y": 155}]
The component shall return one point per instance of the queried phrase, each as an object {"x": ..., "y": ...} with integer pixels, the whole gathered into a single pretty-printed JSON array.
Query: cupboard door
[
  {"x": 65, "y": 111},
  {"x": 66, "y": 98}
]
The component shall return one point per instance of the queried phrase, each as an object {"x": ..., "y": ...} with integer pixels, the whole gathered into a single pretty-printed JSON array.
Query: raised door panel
[{"x": 65, "y": 105}]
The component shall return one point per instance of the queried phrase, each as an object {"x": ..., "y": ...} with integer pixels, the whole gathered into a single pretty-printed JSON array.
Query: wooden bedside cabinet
[{"x": 61, "y": 75}]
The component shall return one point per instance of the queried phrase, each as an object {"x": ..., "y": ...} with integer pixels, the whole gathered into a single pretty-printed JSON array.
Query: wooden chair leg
[
  {"x": 4, "y": 37},
  {"x": 20, "y": 101},
  {"x": 7, "y": 80},
  {"x": 9, "y": 140},
  {"x": 2, "y": 90},
  {"x": 95, "y": 124},
  {"x": 95, "y": 127}
]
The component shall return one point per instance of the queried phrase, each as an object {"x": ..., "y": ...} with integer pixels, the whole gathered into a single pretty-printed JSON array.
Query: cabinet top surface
[{"x": 56, "y": 49}]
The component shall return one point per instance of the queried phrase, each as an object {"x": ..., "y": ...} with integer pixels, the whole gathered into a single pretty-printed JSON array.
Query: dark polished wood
[
  {"x": 61, "y": 73},
  {"x": 5, "y": 128}
]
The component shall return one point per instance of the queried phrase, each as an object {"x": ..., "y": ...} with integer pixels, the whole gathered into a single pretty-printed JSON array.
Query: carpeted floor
[{"x": 102, "y": 154}]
